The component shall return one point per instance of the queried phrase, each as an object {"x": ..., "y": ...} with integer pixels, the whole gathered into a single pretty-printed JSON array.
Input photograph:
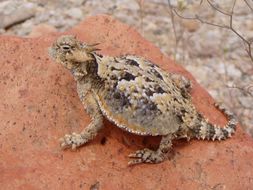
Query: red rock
[{"x": 39, "y": 104}]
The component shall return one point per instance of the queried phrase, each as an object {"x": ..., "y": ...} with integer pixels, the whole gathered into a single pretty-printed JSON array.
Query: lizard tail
[{"x": 209, "y": 131}]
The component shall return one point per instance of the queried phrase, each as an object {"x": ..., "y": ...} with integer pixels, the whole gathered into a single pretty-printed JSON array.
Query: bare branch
[
  {"x": 248, "y": 43},
  {"x": 248, "y": 5},
  {"x": 174, "y": 28},
  {"x": 248, "y": 89},
  {"x": 245, "y": 109},
  {"x": 218, "y": 9},
  {"x": 199, "y": 19},
  {"x": 177, "y": 38},
  {"x": 141, "y": 5}
]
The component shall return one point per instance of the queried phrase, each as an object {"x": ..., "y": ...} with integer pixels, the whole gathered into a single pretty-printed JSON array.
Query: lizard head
[{"x": 70, "y": 52}]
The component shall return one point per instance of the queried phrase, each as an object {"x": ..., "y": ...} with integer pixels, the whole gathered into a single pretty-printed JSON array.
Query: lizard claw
[{"x": 72, "y": 141}]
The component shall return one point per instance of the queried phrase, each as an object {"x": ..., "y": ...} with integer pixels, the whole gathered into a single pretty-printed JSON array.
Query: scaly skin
[{"x": 137, "y": 96}]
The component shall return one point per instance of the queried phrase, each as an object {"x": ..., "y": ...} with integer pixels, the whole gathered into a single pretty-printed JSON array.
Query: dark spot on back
[
  {"x": 175, "y": 99},
  {"x": 143, "y": 101},
  {"x": 127, "y": 76},
  {"x": 147, "y": 79},
  {"x": 151, "y": 106},
  {"x": 115, "y": 84},
  {"x": 132, "y": 62},
  {"x": 157, "y": 74},
  {"x": 149, "y": 92},
  {"x": 159, "y": 90},
  {"x": 183, "y": 111},
  {"x": 113, "y": 77},
  {"x": 180, "y": 118},
  {"x": 135, "y": 90},
  {"x": 113, "y": 68},
  {"x": 120, "y": 99},
  {"x": 116, "y": 95},
  {"x": 124, "y": 100}
]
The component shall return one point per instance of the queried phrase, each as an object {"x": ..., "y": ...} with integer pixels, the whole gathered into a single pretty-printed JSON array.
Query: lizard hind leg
[{"x": 150, "y": 156}]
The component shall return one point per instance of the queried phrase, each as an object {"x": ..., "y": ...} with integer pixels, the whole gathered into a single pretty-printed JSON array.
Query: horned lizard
[{"x": 137, "y": 96}]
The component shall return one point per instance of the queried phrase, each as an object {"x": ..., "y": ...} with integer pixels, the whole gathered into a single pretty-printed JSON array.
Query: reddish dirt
[{"x": 39, "y": 104}]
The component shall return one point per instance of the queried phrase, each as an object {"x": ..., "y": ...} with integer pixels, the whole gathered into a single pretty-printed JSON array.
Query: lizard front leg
[{"x": 75, "y": 140}]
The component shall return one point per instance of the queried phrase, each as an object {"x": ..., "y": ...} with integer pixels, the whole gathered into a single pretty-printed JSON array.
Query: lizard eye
[{"x": 66, "y": 47}]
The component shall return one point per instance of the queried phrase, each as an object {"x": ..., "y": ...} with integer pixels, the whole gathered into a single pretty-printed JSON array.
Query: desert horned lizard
[{"x": 137, "y": 96}]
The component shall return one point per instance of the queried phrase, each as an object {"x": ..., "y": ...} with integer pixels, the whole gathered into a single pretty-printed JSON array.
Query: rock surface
[
  {"x": 200, "y": 48},
  {"x": 39, "y": 104}
]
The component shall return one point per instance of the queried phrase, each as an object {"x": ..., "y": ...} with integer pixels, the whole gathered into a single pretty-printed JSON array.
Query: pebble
[
  {"x": 13, "y": 12},
  {"x": 246, "y": 101},
  {"x": 75, "y": 13},
  {"x": 191, "y": 25}
]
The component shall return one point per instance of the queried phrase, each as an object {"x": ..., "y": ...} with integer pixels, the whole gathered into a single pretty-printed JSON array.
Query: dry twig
[{"x": 247, "y": 42}]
